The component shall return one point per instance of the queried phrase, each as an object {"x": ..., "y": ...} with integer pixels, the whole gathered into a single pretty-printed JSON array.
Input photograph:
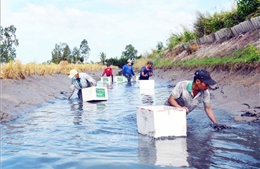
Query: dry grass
[
  {"x": 16, "y": 70},
  {"x": 140, "y": 63}
]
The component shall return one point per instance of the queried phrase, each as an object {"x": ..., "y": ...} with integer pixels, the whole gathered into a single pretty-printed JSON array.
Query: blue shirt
[
  {"x": 128, "y": 70},
  {"x": 146, "y": 72}
]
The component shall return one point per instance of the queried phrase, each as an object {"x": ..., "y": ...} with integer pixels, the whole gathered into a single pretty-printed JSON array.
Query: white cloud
[{"x": 107, "y": 25}]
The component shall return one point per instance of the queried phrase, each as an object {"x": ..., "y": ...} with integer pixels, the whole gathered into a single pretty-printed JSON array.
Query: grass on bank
[
  {"x": 249, "y": 56},
  {"x": 16, "y": 70}
]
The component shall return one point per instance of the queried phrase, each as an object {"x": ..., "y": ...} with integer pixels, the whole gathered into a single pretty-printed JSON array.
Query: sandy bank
[{"x": 237, "y": 92}]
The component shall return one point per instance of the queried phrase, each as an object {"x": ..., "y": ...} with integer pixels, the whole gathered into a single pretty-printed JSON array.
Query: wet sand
[{"x": 238, "y": 93}]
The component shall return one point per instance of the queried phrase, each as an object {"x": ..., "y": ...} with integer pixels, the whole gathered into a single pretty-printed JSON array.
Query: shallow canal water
[{"x": 74, "y": 134}]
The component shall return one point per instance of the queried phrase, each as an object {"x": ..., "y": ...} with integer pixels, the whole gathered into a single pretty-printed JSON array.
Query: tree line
[
  {"x": 130, "y": 53},
  {"x": 8, "y": 42},
  {"x": 62, "y": 52}
]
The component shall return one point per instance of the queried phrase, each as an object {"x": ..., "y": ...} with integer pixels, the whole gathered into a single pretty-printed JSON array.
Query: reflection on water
[
  {"x": 75, "y": 134},
  {"x": 166, "y": 152}
]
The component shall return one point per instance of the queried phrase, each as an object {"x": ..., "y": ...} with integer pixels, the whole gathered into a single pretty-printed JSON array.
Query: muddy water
[{"x": 72, "y": 134}]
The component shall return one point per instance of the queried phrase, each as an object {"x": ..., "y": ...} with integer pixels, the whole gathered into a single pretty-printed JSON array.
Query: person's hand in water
[{"x": 218, "y": 127}]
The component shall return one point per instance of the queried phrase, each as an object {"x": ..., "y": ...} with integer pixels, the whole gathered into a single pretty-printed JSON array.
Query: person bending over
[
  {"x": 188, "y": 94},
  {"x": 80, "y": 81}
]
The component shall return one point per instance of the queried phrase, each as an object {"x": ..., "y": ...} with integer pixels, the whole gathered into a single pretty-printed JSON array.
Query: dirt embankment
[
  {"x": 20, "y": 96},
  {"x": 219, "y": 48}
]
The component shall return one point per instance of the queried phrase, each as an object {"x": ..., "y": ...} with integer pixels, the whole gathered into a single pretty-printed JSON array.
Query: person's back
[
  {"x": 79, "y": 81},
  {"x": 86, "y": 80}
]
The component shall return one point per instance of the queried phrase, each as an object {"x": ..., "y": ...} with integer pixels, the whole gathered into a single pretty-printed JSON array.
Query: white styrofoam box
[
  {"x": 147, "y": 91},
  {"x": 161, "y": 121},
  {"x": 146, "y": 84},
  {"x": 163, "y": 152},
  {"x": 94, "y": 94},
  {"x": 106, "y": 79},
  {"x": 146, "y": 87},
  {"x": 119, "y": 79}
]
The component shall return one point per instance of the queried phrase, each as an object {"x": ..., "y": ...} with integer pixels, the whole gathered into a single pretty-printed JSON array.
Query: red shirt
[{"x": 108, "y": 71}]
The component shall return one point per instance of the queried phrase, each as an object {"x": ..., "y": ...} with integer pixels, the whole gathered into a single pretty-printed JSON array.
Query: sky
[{"x": 108, "y": 25}]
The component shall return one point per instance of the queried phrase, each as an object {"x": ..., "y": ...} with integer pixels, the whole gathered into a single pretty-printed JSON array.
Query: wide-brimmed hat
[
  {"x": 73, "y": 72},
  {"x": 204, "y": 76}
]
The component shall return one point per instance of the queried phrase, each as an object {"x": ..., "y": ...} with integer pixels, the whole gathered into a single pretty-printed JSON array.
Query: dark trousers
[
  {"x": 129, "y": 77},
  {"x": 80, "y": 94},
  {"x": 111, "y": 78}
]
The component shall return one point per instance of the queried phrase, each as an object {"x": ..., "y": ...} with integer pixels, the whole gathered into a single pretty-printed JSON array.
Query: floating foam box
[
  {"x": 161, "y": 121},
  {"x": 106, "y": 79},
  {"x": 94, "y": 94},
  {"x": 146, "y": 87},
  {"x": 119, "y": 79}
]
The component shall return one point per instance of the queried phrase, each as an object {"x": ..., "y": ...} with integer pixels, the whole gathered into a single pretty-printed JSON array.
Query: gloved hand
[{"x": 219, "y": 127}]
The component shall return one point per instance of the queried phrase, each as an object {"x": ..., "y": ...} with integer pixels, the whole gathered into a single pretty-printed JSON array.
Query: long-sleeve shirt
[
  {"x": 84, "y": 81},
  {"x": 128, "y": 70},
  {"x": 108, "y": 71}
]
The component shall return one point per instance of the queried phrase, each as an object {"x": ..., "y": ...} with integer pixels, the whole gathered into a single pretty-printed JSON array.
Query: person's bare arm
[
  {"x": 172, "y": 101},
  {"x": 144, "y": 74},
  {"x": 210, "y": 113},
  {"x": 72, "y": 89}
]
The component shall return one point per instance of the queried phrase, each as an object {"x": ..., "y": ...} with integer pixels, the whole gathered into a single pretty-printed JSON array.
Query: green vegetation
[
  {"x": 248, "y": 55},
  {"x": 8, "y": 42},
  {"x": 177, "y": 39},
  {"x": 247, "y": 8},
  {"x": 62, "y": 52},
  {"x": 103, "y": 57},
  {"x": 206, "y": 24},
  {"x": 129, "y": 53}
]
